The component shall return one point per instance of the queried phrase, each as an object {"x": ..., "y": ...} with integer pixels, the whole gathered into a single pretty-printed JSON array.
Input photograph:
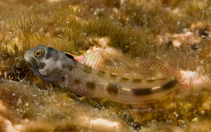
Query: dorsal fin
[
  {"x": 69, "y": 56},
  {"x": 113, "y": 62},
  {"x": 152, "y": 69},
  {"x": 80, "y": 59},
  {"x": 109, "y": 62}
]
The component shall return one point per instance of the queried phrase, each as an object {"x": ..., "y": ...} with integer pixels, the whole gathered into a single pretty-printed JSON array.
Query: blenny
[{"x": 86, "y": 79}]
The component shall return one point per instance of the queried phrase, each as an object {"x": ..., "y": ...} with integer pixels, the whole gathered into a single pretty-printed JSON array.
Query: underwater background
[{"x": 175, "y": 31}]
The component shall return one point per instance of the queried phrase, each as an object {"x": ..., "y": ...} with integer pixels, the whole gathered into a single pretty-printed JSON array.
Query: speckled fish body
[{"x": 62, "y": 69}]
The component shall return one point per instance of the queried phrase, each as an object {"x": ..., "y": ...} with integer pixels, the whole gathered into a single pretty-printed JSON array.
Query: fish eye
[{"x": 38, "y": 53}]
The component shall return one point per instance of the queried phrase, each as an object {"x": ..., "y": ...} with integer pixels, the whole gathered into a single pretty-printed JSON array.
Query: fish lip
[
  {"x": 27, "y": 56},
  {"x": 32, "y": 65},
  {"x": 28, "y": 61}
]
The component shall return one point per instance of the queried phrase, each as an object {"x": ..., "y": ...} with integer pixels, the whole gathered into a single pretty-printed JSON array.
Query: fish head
[{"x": 44, "y": 62}]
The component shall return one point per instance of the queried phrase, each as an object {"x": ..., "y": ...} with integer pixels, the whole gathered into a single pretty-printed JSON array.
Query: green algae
[{"x": 132, "y": 27}]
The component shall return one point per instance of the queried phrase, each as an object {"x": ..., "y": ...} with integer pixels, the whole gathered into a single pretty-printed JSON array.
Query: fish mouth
[{"x": 32, "y": 63}]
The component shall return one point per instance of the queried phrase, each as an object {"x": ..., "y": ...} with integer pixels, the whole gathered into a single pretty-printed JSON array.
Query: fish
[{"x": 66, "y": 71}]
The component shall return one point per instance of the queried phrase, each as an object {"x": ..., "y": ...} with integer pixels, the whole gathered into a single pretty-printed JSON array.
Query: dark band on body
[
  {"x": 136, "y": 81},
  {"x": 91, "y": 85},
  {"x": 147, "y": 91},
  {"x": 113, "y": 76},
  {"x": 77, "y": 81},
  {"x": 124, "y": 79},
  {"x": 87, "y": 69},
  {"x": 112, "y": 89}
]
